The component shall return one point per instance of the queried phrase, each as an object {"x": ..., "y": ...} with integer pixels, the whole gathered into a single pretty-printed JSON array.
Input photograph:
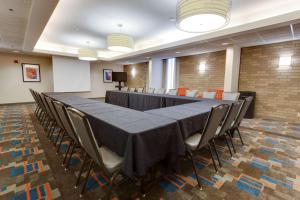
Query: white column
[
  {"x": 232, "y": 69},
  {"x": 156, "y": 73}
]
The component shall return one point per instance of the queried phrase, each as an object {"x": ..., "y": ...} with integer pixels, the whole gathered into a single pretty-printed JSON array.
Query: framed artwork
[
  {"x": 31, "y": 72},
  {"x": 107, "y": 76}
]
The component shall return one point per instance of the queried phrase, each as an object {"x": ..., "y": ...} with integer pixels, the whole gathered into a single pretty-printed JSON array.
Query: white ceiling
[
  {"x": 266, "y": 35},
  {"x": 74, "y": 22},
  {"x": 13, "y": 23}
]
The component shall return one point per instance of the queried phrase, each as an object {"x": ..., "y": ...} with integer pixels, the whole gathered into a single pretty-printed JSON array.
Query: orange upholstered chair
[
  {"x": 181, "y": 91},
  {"x": 219, "y": 93}
]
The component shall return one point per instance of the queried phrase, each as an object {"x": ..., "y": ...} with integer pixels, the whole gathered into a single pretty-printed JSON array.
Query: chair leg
[
  {"x": 70, "y": 157},
  {"x": 239, "y": 133},
  {"x": 81, "y": 169},
  {"x": 58, "y": 135},
  {"x": 59, "y": 145},
  {"x": 227, "y": 143},
  {"x": 112, "y": 182},
  {"x": 67, "y": 152},
  {"x": 52, "y": 130},
  {"x": 86, "y": 178},
  {"x": 195, "y": 170},
  {"x": 215, "y": 149},
  {"x": 230, "y": 139},
  {"x": 212, "y": 157}
]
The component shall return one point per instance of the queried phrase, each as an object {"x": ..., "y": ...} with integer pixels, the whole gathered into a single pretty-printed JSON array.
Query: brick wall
[
  {"x": 212, "y": 78},
  {"x": 278, "y": 91},
  {"x": 140, "y": 79}
]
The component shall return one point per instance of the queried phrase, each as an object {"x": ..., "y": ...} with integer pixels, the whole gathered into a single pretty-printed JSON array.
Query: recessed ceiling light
[
  {"x": 16, "y": 51},
  {"x": 177, "y": 52},
  {"x": 225, "y": 43},
  {"x": 147, "y": 57}
]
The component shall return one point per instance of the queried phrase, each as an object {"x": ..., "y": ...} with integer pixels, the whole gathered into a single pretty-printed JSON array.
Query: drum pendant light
[
  {"x": 120, "y": 42},
  {"x": 202, "y": 15}
]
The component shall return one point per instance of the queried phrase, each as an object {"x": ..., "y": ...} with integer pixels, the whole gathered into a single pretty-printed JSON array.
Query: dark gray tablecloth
[
  {"x": 118, "y": 98},
  {"x": 142, "y": 139},
  {"x": 178, "y": 100},
  {"x": 191, "y": 117},
  {"x": 143, "y": 101}
]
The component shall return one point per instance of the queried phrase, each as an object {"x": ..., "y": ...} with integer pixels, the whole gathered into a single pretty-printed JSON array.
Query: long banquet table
[
  {"x": 143, "y": 139},
  {"x": 191, "y": 117},
  {"x": 144, "y": 101}
]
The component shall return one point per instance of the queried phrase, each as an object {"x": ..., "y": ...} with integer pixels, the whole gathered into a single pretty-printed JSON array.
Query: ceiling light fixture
[
  {"x": 120, "y": 42},
  {"x": 202, "y": 15},
  {"x": 87, "y": 54}
]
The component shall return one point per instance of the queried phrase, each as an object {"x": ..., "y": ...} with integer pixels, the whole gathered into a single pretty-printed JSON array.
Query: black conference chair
[
  {"x": 37, "y": 109},
  {"x": 60, "y": 126},
  {"x": 109, "y": 162},
  {"x": 223, "y": 129},
  {"x": 69, "y": 132},
  {"x": 198, "y": 141},
  {"x": 51, "y": 123},
  {"x": 240, "y": 117}
]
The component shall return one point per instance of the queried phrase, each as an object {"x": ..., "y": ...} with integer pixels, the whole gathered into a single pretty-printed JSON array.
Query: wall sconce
[
  {"x": 202, "y": 67},
  {"x": 133, "y": 72},
  {"x": 285, "y": 62}
]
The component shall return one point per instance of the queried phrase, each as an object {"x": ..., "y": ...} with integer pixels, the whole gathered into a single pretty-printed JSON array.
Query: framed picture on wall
[
  {"x": 107, "y": 75},
  {"x": 31, "y": 72}
]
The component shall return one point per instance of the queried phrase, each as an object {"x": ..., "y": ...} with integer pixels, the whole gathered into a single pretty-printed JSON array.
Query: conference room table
[
  {"x": 191, "y": 117},
  {"x": 142, "y": 139},
  {"x": 145, "y": 101},
  {"x": 191, "y": 113}
]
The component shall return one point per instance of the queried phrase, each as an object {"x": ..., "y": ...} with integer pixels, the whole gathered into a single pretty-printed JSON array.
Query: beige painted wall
[
  {"x": 12, "y": 87},
  {"x": 14, "y": 90}
]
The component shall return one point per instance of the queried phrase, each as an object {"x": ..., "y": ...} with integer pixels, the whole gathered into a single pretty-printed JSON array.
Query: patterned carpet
[
  {"x": 286, "y": 129},
  {"x": 267, "y": 167}
]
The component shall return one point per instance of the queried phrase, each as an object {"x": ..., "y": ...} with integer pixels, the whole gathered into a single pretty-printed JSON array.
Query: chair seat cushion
[
  {"x": 111, "y": 160},
  {"x": 193, "y": 141}
]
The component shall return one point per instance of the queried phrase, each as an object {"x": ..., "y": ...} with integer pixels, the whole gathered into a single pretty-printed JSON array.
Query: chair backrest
[
  {"x": 85, "y": 134},
  {"x": 172, "y": 92},
  {"x": 33, "y": 95},
  {"x": 39, "y": 100},
  {"x": 230, "y": 96},
  {"x": 230, "y": 116},
  {"x": 209, "y": 95},
  {"x": 191, "y": 93},
  {"x": 159, "y": 91},
  {"x": 54, "y": 112},
  {"x": 243, "y": 110},
  {"x": 65, "y": 119},
  {"x": 150, "y": 90},
  {"x": 214, "y": 119},
  {"x": 131, "y": 89},
  {"x": 47, "y": 109},
  {"x": 125, "y": 89},
  {"x": 140, "y": 90}
]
